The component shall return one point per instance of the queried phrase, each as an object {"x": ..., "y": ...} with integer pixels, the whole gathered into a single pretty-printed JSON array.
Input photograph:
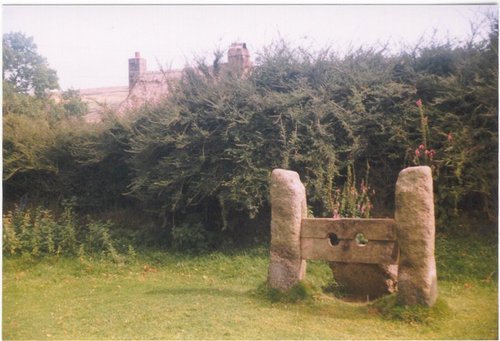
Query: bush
[{"x": 190, "y": 237}]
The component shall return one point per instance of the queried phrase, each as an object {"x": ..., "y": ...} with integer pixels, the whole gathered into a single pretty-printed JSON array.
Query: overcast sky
[{"x": 89, "y": 46}]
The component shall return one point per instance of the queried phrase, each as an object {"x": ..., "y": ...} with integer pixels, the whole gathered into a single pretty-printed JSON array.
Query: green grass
[{"x": 222, "y": 296}]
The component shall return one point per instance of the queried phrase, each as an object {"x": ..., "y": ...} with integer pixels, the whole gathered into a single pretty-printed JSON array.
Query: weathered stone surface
[
  {"x": 288, "y": 207},
  {"x": 414, "y": 216},
  {"x": 366, "y": 280}
]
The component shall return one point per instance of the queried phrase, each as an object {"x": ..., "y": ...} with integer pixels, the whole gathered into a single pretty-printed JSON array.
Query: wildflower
[
  {"x": 364, "y": 189},
  {"x": 421, "y": 147},
  {"x": 450, "y": 137},
  {"x": 419, "y": 103},
  {"x": 417, "y": 152},
  {"x": 430, "y": 153}
]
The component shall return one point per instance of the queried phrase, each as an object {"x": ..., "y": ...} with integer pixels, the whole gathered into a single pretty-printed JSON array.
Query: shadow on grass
[
  {"x": 297, "y": 299},
  {"x": 198, "y": 291},
  {"x": 309, "y": 299}
]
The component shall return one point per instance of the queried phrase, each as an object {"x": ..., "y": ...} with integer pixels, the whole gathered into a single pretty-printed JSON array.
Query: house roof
[
  {"x": 151, "y": 86},
  {"x": 100, "y": 98}
]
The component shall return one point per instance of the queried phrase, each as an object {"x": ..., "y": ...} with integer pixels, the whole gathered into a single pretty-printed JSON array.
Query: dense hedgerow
[
  {"x": 199, "y": 161},
  {"x": 208, "y": 149}
]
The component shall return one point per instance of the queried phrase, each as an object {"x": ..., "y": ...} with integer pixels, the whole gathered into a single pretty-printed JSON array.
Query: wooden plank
[
  {"x": 374, "y": 252},
  {"x": 347, "y": 228}
]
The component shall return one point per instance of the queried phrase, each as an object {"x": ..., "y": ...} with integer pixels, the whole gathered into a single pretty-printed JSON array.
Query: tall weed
[
  {"x": 37, "y": 232},
  {"x": 11, "y": 243}
]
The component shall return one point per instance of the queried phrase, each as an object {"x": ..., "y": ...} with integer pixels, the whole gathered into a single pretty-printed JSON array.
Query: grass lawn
[{"x": 173, "y": 296}]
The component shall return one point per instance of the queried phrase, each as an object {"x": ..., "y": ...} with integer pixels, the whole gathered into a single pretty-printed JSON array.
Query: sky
[{"x": 89, "y": 46}]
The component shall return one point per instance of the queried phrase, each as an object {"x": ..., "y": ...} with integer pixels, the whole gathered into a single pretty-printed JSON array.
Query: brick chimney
[
  {"x": 136, "y": 67},
  {"x": 238, "y": 57}
]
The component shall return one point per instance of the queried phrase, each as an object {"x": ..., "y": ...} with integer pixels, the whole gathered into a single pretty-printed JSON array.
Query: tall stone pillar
[
  {"x": 288, "y": 207},
  {"x": 417, "y": 279}
]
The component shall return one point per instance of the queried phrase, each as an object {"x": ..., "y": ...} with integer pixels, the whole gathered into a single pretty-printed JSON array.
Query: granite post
[
  {"x": 288, "y": 207},
  {"x": 417, "y": 278}
]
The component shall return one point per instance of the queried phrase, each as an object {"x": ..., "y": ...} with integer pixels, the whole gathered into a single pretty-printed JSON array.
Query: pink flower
[
  {"x": 364, "y": 189},
  {"x": 421, "y": 147},
  {"x": 417, "y": 152},
  {"x": 450, "y": 137},
  {"x": 419, "y": 103}
]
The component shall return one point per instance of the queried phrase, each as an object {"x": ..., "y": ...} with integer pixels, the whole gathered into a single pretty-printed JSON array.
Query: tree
[
  {"x": 24, "y": 68},
  {"x": 73, "y": 104}
]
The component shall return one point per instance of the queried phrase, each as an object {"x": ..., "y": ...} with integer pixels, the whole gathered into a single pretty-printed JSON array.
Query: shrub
[{"x": 190, "y": 237}]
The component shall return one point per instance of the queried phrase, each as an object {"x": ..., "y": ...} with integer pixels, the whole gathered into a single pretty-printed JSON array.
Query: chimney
[
  {"x": 136, "y": 68},
  {"x": 238, "y": 57}
]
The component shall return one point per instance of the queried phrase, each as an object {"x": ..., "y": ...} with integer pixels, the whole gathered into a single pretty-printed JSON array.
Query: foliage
[
  {"x": 24, "y": 68},
  {"x": 33, "y": 129},
  {"x": 27, "y": 143},
  {"x": 351, "y": 202},
  {"x": 91, "y": 163},
  {"x": 211, "y": 146},
  {"x": 50, "y": 152},
  {"x": 424, "y": 156},
  {"x": 38, "y": 233},
  {"x": 72, "y": 104},
  {"x": 190, "y": 237},
  {"x": 199, "y": 160}
]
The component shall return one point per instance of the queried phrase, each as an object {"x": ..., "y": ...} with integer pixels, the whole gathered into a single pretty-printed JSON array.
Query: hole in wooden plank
[
  {"x": 334, "y": 239},
  {"x": 360, "y": 239}
]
